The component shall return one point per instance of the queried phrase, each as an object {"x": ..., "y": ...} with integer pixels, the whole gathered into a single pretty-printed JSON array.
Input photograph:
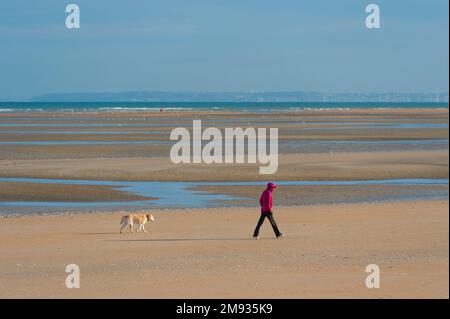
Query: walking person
[{"x": 266, "y": 211}]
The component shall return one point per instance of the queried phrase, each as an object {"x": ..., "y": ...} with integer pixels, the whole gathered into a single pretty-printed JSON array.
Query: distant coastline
[{"x": 244, "y": 96}]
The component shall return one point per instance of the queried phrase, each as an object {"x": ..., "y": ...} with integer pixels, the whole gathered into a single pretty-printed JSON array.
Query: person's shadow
[
  {"x": 179, "y": 239},
  {"x": 94, "y": 233}
]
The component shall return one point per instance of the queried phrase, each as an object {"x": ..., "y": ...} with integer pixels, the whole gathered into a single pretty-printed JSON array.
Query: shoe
[
  {"x": 280, "y": 235},
  {"x": 255, "y": 237}
]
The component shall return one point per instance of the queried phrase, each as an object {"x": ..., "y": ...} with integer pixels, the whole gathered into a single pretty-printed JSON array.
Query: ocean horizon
[{"x": 11, "y": 107}]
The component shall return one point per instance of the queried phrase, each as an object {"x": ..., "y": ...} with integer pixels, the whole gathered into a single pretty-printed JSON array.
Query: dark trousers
[{"x": 269, "y": 215}]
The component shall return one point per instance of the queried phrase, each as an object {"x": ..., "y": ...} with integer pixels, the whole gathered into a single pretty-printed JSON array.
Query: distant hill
[{"x": 251, "y": 96}]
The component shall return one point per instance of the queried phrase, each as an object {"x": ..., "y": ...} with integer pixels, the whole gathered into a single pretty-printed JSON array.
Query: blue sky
[{"x": 225, "y": 45}]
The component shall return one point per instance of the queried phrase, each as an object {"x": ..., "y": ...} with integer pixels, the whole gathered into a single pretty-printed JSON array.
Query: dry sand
[{"x": 208, "y": 254}]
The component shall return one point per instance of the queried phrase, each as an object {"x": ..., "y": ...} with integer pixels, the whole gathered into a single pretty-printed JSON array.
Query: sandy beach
[
  {"x": 209, "y": 254},
  {"x": 333, "y": 231}
]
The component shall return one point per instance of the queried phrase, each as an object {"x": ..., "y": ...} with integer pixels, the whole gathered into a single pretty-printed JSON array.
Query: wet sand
[
  {"x": 147, "y": 133},
  {"x": 179, "y": 115},
  {"x": 313, "y": 194},
  {"x": 44, "y": 192},
  {"x": 208, "y": 254}
]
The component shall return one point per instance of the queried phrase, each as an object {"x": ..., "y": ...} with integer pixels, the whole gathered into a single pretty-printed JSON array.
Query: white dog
[{"x": 141, "y": 219}]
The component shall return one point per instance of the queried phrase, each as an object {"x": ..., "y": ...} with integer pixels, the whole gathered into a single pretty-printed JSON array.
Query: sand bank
[{"x": 335, "y": 166}]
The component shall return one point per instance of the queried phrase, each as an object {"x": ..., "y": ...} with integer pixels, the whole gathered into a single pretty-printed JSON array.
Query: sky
[{"x": 229, "y": 45}]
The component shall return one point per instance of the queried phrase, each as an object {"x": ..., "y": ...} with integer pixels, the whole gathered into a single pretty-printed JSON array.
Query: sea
[{"x": 12, "y": 107}]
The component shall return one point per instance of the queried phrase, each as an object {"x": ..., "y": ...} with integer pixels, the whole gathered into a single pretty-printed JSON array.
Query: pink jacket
[{"x": 266, "y": 200}]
